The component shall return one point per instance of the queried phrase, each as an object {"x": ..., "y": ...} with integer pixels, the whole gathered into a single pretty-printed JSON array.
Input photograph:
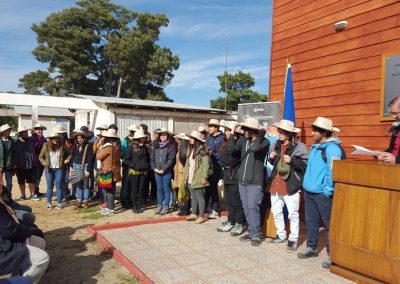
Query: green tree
[
  {"x": 238, "y": 90},
  {"x": 98, "y": 45}
]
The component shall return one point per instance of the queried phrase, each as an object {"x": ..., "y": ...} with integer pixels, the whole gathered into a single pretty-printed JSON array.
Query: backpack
[{"x": 323, "y": 154}]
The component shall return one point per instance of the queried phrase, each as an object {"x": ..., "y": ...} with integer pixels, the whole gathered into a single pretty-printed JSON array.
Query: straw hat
[
  {"x": 202, "y": 129},
  {"x": 214, "y": 122},
  {"x": 22, "y": 129},
  {"x": 4, "y": 127},
  {"x": 53, "y": 135},
  {"x": 251, "y": 123},
  {"x": 112, "y": 133},
  {"x": 139, "y": 134},
  {"x": 39, "y": 126},
  {"x": 79, "y": 133},
  {"x": 134, "y": 128},
  {"x": 287, "y": 125},
  {"x": 196, "y": 135},
  {"x": 60, "y": 128},
  {"x": 325, "y": 123},
  {"x": 182, "y": 136},
  {"x": 164, "y": 130},
  {"x": 230, "y": 125},
  {"x": 102, "y": 127}
]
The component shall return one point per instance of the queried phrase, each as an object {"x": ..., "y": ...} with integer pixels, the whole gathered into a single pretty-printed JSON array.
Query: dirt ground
[{"x": 75, "y": 255}]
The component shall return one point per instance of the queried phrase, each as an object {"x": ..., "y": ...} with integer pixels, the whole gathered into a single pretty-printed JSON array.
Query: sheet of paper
[{"x": 363, "y": 151}]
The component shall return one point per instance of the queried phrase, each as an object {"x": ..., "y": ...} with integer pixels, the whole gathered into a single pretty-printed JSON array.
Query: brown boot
[
  {"x": 85, "y": 204},
  {"x": 78, "y": 204}
]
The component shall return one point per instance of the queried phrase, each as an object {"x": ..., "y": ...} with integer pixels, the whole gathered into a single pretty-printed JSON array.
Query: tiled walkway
[{"x": 184, "y": 252}]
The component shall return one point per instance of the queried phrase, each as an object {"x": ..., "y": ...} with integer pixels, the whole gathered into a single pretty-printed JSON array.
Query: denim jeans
[
  {"x": 164, "y": 188},
  {"x": 54, "y": 176},
  {"x": 317, "y": 207},
  {"x": 82, "y": 187}
]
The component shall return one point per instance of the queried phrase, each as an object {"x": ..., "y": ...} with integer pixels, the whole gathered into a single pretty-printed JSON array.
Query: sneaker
[
  {"x": 255, "y": 242},
  {"x": 237, "y": 230},
  {"x": 35, "y": 198},
  {"x": 277, "y": 240},
  {"x": 308, "y": 252},
  {"x": 245, "y": 238},
  {"x": 158, "y": 210},
  {"x": 225, "y": 227},
  {"x": 200, "y": 220},
  {"x": 111, "y": 211},
  {"x": 213, "y": 215},
  {"x": 49, "y": 207},
  {"x": 59, "y": 206},
  {"x": 191, "y": 217},
  {"x": 291, "y": 246},
  {"x": 23, "y": 197},
  {"x": 105, "y": 211},
  {"x": 327, "y": 262},
  {"x": 164, "y": 210}
]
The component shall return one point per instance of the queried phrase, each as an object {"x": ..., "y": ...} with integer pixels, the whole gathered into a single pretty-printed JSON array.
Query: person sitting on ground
[
  {"x": 109, "y": 156},
  {"x": 20, "y": 251},
  {"x": 81, "y": 157},
  {"x": 289, "y": 160},
  {"x": 195, "y": 176},
  {"x": 138, "y": 160},
  {"x": 24, "y": 161},
  {"x": 54, "y": 157},
  {"x": 163, "y": 159},
  {"x": 231, "y": 164}
]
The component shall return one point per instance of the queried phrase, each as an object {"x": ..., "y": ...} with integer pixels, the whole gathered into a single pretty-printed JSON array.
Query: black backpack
[{"x": 323, "y": 154}]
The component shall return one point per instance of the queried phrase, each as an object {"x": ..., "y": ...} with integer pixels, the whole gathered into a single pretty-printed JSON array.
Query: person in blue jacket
[
  {"x": 318, "y": 184},
  {"x": 214, "y": 142}
]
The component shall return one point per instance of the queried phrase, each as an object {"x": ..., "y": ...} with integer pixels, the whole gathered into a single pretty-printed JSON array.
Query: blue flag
[{"x": 288, "y": 105}]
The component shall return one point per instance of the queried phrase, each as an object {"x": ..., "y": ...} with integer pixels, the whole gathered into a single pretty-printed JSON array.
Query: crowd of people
[{"x": 182, "y": 171}]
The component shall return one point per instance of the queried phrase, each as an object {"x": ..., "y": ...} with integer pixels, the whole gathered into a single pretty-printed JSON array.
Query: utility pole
[{"x": 226, "y": 69}]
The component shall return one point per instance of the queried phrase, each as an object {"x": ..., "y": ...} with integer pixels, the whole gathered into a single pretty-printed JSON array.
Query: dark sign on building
[{"x": 267, "y": 113}]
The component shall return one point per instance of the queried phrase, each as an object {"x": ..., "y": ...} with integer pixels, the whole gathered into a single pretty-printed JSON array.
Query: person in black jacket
[
  {"x": 253, "y": 149},
  {"x": 82, "y": 158},
  {"x": 163, "y": 159},
  {"x": 5, "y": 155},
  {"x": 20, "y": 251},
  {"x": 289, "y": 160},
  {"x": 231, "y": 164},
  {"x": 138, "y": 160}
]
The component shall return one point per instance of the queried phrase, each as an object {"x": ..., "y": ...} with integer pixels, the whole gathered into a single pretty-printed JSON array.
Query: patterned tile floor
[{"x": 185, "y": 252}]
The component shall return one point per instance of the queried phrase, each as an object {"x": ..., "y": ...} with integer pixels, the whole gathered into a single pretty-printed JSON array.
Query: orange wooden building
[{"x": 337, "y": 74}]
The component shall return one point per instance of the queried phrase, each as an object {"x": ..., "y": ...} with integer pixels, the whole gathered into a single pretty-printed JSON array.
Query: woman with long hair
[
  {"x": 109, "y": 156},
  {"x": 82, "y": 160},
  {"x": 138, "y": 160},
  {"x": 195, "y": 175},
  {"x": 54, "y": 157},
  {"x": 163, "y": 159}
]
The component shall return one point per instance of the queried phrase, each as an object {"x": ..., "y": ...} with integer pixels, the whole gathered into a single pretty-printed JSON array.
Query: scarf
[{"x": 163, "y": 144}]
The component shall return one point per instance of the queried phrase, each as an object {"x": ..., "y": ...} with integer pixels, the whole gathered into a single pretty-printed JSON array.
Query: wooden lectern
[{"x": 365, "y": 222}]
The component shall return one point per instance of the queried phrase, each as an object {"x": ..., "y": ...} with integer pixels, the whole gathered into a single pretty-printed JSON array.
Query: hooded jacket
[
  {"x": 163, "y": 158},
  {"x": 252, "y": 153},
  {"x": 318, "y": 177},
  {"x": 110, "y": 157},
  {"x": 299, "y": 154},
  {"x": 231, "y": 163}
]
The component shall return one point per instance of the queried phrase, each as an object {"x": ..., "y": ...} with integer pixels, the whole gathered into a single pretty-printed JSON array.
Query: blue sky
[{"x": 198, "y": 32}]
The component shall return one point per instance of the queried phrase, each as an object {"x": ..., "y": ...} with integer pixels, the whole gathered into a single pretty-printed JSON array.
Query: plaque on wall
[{"x": 390, "y": 82}]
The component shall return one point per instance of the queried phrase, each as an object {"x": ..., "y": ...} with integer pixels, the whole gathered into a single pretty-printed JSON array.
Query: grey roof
[
  {"x": 147, "y": 103},
  {"x": 43, "y": 111}
]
